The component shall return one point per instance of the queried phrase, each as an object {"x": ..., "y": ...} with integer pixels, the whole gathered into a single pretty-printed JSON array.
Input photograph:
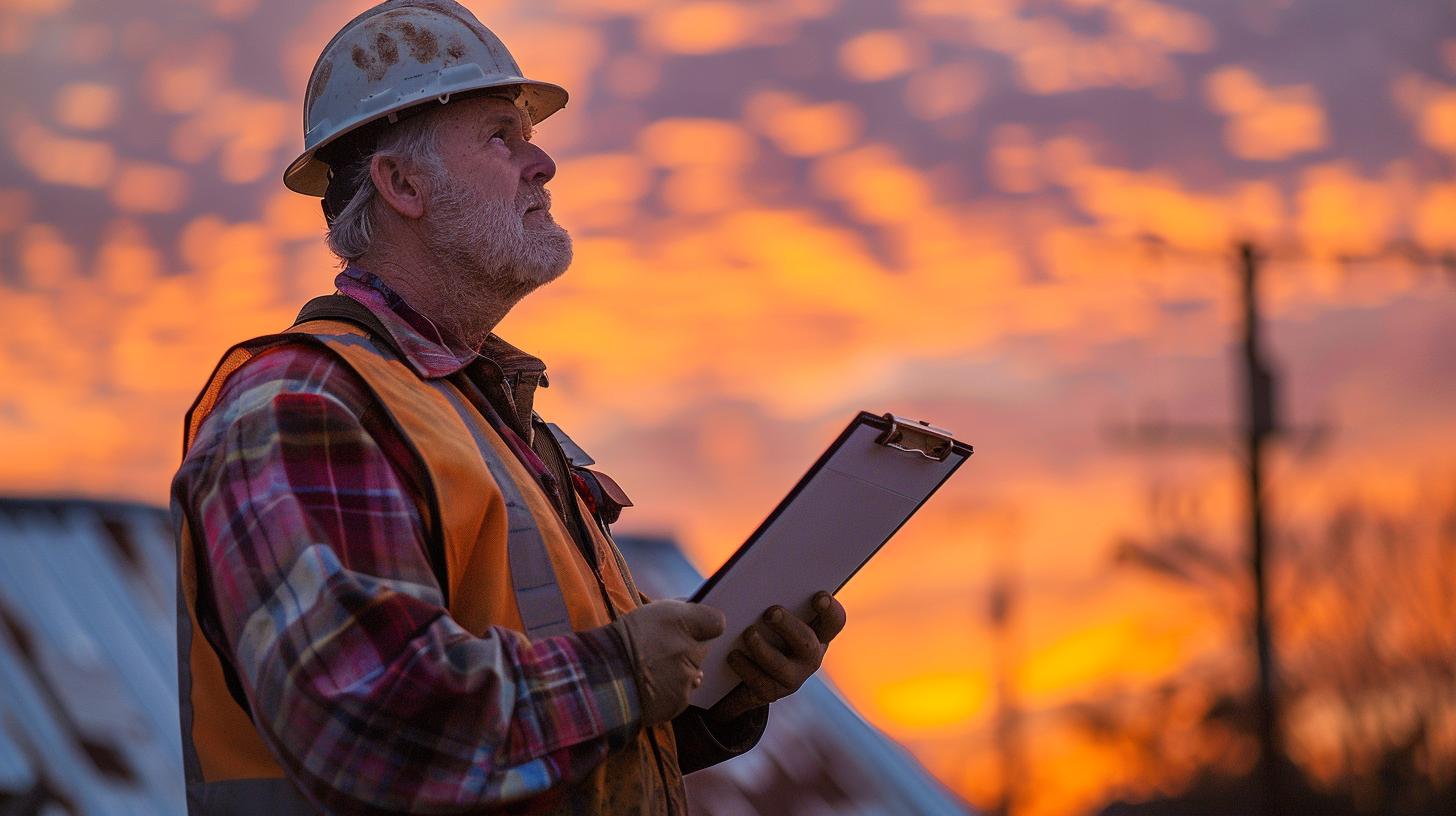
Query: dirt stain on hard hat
[
  {"x": 455, "y": 50},
  {"x": 321, "y": 76},
  {"x": 366, "y": 62},
  {"x": 386, "y": 48},
  {"x": 423, "y": 45},
  {"x": 386, "y": 53}
]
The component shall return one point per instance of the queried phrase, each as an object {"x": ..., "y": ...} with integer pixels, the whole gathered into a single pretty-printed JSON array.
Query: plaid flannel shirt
[{"x": 363, "y": 686}]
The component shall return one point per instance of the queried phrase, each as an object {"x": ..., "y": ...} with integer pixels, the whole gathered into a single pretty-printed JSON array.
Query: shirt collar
[{"x": 432, "y": 351}]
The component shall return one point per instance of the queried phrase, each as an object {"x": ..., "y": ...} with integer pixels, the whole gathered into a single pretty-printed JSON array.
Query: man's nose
[{"x": 539, "y": 167}]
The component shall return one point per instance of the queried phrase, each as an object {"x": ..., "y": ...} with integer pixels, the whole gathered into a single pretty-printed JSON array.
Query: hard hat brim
[{"x": 309, "y": 175}]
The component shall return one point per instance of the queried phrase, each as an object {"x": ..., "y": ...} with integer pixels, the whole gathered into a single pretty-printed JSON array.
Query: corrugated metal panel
[
  {"x": 86, "y": 659},
  {"x": 88, "y": 713}
]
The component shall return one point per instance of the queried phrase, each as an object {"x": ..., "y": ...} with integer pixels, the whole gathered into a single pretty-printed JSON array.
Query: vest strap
[{"x": 349, "y": 310}]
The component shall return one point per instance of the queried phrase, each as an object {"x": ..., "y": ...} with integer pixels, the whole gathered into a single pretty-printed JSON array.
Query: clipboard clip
[{"x": 916, "y": 436}]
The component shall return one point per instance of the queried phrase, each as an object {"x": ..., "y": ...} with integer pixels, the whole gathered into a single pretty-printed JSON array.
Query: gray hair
[{"x": 415, "y": 140}]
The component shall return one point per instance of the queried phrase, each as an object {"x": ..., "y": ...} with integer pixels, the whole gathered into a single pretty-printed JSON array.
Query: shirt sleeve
[
  {"x": 370, "y": 695},
  {"x": 702, "y": 742}
]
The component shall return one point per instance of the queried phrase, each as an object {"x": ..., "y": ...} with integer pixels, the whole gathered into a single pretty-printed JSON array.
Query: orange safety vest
[{"x": 508, "y": 560}]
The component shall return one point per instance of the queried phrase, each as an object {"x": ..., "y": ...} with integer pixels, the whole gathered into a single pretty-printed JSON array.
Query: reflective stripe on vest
[{"x": 538, "y": 595}]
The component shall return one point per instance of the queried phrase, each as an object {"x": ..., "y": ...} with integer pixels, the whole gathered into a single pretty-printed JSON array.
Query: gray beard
[{"x": 489, "y": 247}]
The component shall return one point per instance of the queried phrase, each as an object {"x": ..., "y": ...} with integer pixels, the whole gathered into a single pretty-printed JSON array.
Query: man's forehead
[{"x": 485, "y": 110}]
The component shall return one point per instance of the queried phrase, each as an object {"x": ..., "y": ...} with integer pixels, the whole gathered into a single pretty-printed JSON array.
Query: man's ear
[{"x": 398, "y": 184}]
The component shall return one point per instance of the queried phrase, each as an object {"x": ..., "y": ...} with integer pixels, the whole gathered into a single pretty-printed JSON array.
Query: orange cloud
[
  {"x": 127, "y": 263},
  {"x": 46, "y": 259},
  {"x": 873, "y": 56},
  {"x": 54, "y": 159},
  {"x": 148, "y": 187},
  {"x": 599, "y": 190},
  {"x": 182, "y": 79},
  {"x": 1432, "y": 107},
  {"x": 688, "y": 142},
  {"x": 701, "y": 27},
  {"x": 36, "y": 7},
  {"x": 1341, "y": 212},
  {"x": 1014, "y": 161},
  {"x": 874, "y": 184},
  {"x": 86, "y": 105},
  {"x": 803, "y": 129},
  {"x": 1266, "y": 123},
  {"x": 1435, "y": 220}
]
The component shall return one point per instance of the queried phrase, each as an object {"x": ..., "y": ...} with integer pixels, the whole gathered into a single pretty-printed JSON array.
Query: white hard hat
[{"x": 396, "y": 55}]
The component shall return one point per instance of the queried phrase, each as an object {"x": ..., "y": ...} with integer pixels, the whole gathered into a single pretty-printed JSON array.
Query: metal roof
[{"x": 88, "y": 718}]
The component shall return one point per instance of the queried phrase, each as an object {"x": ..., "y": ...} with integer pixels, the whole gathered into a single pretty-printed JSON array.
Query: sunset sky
[{"x": 1013, "y": 218}]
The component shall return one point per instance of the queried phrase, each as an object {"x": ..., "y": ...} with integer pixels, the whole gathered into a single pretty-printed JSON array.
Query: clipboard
[{"x": 859, "y": 493}]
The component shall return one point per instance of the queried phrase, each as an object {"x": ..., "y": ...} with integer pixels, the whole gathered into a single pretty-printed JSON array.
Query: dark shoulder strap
[{"x": 349, "y": 310}]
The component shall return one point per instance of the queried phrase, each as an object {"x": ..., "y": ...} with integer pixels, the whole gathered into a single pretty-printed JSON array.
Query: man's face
[{"x": 489, "y": 212}]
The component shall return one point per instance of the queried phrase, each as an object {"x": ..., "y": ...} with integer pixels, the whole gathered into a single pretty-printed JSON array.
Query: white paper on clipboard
[{"x": 878, "y": 472}]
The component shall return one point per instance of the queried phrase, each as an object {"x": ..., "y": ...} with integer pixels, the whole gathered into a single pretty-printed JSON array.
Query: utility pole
[
  {"x": 1260, "y": 427},
  {"x": 1260, "y": 424},
  {"x": 1001, "y": 609},
  {"x": 1001, "y": 603}
]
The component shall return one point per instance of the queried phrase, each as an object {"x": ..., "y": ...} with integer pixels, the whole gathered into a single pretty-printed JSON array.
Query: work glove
[
  {"x": 668, "y": 641},
  {"x": 777, "y": 654}
]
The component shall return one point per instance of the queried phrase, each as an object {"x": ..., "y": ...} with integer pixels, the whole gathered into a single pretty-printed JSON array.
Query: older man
[{"x": 399, "y": 587}]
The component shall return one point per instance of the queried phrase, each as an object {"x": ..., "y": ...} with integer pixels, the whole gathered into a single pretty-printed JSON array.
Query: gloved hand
[
  {"x": 669, "y": 641},
  {"x": 778, "y": 654}
]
